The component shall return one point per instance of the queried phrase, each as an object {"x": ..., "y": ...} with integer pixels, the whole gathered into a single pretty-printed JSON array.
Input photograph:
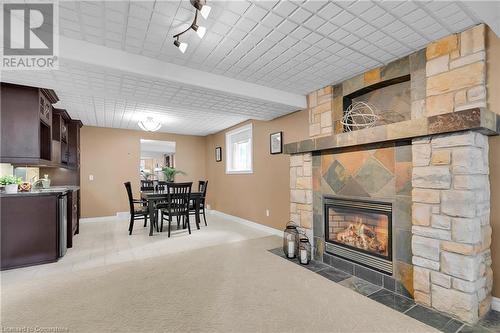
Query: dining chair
[
  {"x": 135, "y": 212},
  {"x": 177, "y": 204},
  {"x": 202, "y": 188},
  {"x": 147, "y": 183},
  {"x": 147, "y": 187},
  {"x": 161, "y": 186}
]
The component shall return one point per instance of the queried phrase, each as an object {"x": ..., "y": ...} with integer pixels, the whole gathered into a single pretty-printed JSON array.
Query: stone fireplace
[{"x": 405, "y": 204}]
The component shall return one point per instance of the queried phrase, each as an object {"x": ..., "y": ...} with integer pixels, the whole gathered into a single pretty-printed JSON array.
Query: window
[{"x": 239, "y": 150}]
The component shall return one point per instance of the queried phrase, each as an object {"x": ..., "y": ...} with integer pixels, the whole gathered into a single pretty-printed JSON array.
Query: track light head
[
  {"x": 200, "y": 31},
  {"x": 202, "y": 7},
  {"x": 182, "y": 46}
]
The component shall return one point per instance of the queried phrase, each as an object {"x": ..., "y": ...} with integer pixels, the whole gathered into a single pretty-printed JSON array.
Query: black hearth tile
[
  {"x": 326, "y": 259},
  {"x": 333, "y": 274},
  {"x": 428, "y": 316},
  {"x": 474, "y": 329},
  {"x": 342, "y": 264},
  {"x": 315, "y": 266},
  {"x": 491, "y": 321},
  {"x": 392, "y": 300},
  {"x": 389, "y": 283},
  {"x": 368, "y": 275},
  {"x": 278, "y": 251},
  {"x": 360, "y": 286},
  {"x": 452, "y": 326}
]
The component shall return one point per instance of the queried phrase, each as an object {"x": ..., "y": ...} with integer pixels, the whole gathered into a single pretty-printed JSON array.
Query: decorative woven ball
[
  {"x": 25, "y": 187},
  {"x": 359, "y": 115}
]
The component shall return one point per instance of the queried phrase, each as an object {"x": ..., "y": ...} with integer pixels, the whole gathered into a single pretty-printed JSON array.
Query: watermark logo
[{"x": 30, "y": 36}]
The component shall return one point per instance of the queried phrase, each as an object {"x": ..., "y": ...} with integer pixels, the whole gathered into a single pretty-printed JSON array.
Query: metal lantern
[
  {"x": 304, "y": 252},
  {"x": 290, "y": 240}
]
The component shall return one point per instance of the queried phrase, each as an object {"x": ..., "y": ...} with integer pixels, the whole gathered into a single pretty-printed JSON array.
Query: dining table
[{"x": 153, "y": 197}]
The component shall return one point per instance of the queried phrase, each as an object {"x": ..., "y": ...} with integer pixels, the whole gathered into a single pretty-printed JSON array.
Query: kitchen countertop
[{"x": 53, "y": 190}]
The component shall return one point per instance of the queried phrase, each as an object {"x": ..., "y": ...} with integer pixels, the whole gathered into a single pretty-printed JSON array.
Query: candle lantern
[
  {"x": 290, "y": 240},
  {"x": 304, "y": 253}
]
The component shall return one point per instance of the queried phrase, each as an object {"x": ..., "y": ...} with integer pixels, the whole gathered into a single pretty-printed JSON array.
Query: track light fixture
[
  {"x": 204, "y": 10},
  {"x": 201, "y": 5}
]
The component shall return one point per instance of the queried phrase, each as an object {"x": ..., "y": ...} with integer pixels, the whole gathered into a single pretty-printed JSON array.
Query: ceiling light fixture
[
  {"x": 204, "y": 10},
  {"x": 201, "y": 5},
  {"x": 149, "y": 125},
  {"x": 182, "y": 46},
  {"x": 200, "y": 31}
]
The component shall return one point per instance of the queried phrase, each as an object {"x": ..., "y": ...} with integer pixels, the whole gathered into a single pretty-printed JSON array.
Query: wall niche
[{"x": 390, "y": 102}]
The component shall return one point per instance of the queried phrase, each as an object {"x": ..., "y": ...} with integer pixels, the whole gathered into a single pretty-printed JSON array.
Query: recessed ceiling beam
[{"x": 120, "y": 60}]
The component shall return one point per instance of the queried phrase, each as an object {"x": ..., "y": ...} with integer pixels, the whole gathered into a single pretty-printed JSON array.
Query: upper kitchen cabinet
[
  {"x": 65, "y": 139},
  {"x": 26, "y": 124},
  {"x": 60, "y": 146},
  {"x": 73, "y": 127}
]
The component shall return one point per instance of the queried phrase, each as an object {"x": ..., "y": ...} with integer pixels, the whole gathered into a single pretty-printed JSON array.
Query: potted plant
[
  {"x": 11, "y": 183},
  {"x": 170, "y": 173}
]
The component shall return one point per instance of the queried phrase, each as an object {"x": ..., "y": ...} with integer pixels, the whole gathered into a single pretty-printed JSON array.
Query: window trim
[{"x": 229, "y": 151}]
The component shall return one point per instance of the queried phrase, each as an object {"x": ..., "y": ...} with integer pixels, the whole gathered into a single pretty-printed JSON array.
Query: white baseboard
[
  {"x": 495, "y": 304},
  {"x": 98, "y": 219},
  {"x": 248, "y": 223},
  {"x": 118, "y": 216}
]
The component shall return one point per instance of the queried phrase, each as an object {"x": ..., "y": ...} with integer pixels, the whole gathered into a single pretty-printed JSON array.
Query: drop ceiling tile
[
  {"x": 286, "y": 27},
  {"x": 360, "y": 7},
  {"x": 300, "y": 15},
  {"x": 314, "y": 5},
  {"x": 272, "y": 20},
  {"x": 329, "y": 11},
  {"x": 284, "y": 8},
  {"x": 238, "y": 7},
  {"x": 314, "y": 22}
]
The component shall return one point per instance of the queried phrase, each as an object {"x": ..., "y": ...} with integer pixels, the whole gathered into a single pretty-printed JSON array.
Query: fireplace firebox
[{"x": 360, "y": 231}]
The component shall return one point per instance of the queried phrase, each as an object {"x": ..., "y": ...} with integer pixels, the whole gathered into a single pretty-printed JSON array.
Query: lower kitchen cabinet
[{"x": 29, "y": 225}]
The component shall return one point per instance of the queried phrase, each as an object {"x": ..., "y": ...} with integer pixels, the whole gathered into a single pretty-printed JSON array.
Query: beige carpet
[{"x": 232, "y": 287}]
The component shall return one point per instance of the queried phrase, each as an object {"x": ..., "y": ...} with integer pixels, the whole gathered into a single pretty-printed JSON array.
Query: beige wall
[
  {"x": 493, "y": 90},
  {"x": 112, "y": 157},
  {"x": 248, "y": 196}
]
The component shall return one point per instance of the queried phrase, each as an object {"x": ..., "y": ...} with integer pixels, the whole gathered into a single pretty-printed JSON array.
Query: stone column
[
  {"x": 320, "y": 105},
  {"x": 451, "y": 233},
  {"x": 301, "y": 190}
]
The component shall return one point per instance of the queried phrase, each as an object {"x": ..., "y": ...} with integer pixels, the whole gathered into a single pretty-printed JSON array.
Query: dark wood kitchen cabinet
[
  {"x": 60, "y": 145},
  {"x": 74, "y": 143},
  {"x": 26, "y": 124},
  {"x": 73, "y": 216},
  {"x": 29, "y": 230}
]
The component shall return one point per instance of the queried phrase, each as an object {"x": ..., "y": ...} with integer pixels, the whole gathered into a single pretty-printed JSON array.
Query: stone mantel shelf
[{"x": 478, "y": 119}]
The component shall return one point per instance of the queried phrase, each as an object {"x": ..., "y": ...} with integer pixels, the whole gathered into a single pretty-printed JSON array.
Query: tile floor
[
  {"x": 103, "y": 244},
  {"x": 444, "y": 323}
]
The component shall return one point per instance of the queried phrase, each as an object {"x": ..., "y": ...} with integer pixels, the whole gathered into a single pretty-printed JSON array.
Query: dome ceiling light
[
  {"x": 204, "y": 10},
  {"x": 149, "y": 125}
]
